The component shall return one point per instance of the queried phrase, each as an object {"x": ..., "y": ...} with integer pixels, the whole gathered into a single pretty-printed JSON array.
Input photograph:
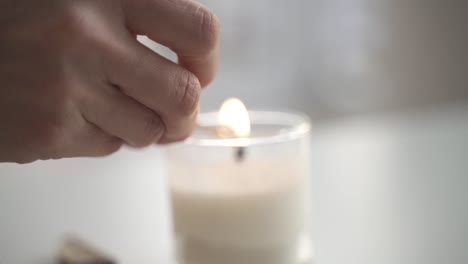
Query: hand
[{"x": 75, "y": 82}]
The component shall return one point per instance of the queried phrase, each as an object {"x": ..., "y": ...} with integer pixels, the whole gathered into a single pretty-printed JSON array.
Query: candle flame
[{"x": 233, "y": 116}]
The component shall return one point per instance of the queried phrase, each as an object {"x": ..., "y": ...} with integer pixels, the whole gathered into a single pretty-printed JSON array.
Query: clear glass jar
[{"x": 243, "y": 200}]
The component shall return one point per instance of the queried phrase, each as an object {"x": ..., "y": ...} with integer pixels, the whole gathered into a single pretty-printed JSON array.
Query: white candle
[{"x": 254, "y": 211}]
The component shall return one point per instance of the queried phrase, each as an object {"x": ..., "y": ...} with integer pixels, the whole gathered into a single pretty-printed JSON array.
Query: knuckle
[
  {"x": 52, "y": 131},
  {"x": 60, "y": 94},
  {"x": 140, "y": 63},
  {"x": 51, "y": 135},
  {"x": 153, "y": 131},
  {"x": 111, "y": 146},
  {"x": 188, "y": 91},
  {"x": 53, "y": 116},
  {"x": 180, "y": 130},
  {"x": 79, "y": 25},
  {"x": 72, "y": 19},
  {"x": 184, "y": 135},
  {"x": 209, "y": 27}
]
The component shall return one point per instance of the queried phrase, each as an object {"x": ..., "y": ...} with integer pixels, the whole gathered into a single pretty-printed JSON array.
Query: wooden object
[{"x": 76, "y": 251}]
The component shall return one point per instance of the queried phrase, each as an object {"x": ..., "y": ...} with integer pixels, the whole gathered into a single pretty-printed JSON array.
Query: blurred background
[
  {"x": 337, "y": 58},
  {"x": 386, "y": 83}
]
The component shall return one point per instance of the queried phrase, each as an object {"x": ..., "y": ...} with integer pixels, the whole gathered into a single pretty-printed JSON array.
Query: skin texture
[{"x": 75, "y": 82}]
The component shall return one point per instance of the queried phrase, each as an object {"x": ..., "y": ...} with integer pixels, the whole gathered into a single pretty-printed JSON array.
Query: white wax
[{"x": 240, "y": 212}]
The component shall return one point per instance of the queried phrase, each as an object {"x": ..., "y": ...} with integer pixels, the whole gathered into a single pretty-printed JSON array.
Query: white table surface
[{"x": 387, "y": 189}]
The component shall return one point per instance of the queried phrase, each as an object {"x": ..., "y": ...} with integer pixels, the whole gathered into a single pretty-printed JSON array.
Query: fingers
[
  {"x": 69, "y": 134},
  {"x": 161, "y": 85},
  {"x": 91, "y": 142},
  {"x": 188, "y": 28},
  {"x": 122, "y": 117},
  {"x": 157, "y": 100}
]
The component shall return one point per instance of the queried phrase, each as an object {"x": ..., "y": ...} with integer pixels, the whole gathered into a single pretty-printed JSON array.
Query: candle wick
[{"x": 240, "y": 154}]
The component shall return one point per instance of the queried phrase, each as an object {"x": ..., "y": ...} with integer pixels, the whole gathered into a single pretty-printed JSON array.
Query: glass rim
[{"x": 296, "y": 124}]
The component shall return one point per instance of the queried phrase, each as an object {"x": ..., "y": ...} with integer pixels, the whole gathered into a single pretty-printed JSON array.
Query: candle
[{"x": 248, "y": 208}]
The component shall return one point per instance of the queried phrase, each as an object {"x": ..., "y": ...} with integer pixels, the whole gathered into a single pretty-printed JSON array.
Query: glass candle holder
[{"x": 243, "y": 200}]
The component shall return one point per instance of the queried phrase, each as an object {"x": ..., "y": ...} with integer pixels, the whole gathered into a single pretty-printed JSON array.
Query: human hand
[{"x": 75, "y": 82}]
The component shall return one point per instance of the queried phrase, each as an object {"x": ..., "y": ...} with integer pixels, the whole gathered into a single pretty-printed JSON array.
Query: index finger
[{"x": 184, "y": 26}]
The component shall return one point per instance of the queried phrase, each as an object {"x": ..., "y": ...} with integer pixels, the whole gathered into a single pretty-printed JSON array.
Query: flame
[{"x": 233, "y": 116}]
